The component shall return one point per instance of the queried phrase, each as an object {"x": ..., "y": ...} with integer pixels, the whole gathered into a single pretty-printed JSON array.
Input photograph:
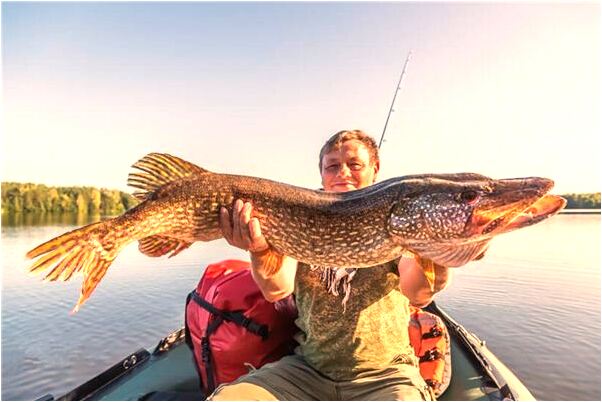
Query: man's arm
[
  {"x": 273, "y": 273},
  {"x": 414, "y": 284}
]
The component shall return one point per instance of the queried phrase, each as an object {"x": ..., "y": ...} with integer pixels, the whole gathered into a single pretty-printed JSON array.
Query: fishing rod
[{"x": 403, "y": 72}]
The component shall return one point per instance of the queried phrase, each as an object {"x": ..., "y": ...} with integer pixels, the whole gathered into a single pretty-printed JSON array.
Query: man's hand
[
  {"x": 242, "y": 231},
  {"x": 273, "y": 272}
]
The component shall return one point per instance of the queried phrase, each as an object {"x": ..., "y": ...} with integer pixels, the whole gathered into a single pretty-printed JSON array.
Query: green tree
[
  {"x": 52, "y": 199},
  {"x": 582, "y": 201},
  {"x": 81, "y": 203},
  {"x": 94, "y": 204}
]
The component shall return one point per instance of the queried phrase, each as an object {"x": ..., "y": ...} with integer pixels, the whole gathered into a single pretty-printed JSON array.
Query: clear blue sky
[{"x": 506, "y": 90}]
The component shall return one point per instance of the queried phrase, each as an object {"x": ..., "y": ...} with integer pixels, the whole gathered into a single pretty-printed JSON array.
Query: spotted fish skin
[{"x": 447, "y": 218}]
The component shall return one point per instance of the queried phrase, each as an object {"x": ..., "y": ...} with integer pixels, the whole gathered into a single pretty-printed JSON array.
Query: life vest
[
  {"x": 430, "y": 339},
  {"x": 231, "y": 328}
]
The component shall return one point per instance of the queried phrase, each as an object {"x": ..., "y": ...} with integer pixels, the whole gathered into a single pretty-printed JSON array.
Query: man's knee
[{"x": 241, "y": 391}]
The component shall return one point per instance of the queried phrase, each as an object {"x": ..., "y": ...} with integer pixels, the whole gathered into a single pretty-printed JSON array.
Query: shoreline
[{"x": 580, "y": 212}]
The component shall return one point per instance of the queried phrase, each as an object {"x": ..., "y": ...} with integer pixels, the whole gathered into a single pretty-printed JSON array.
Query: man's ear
[{"x": 376, "y": 169}]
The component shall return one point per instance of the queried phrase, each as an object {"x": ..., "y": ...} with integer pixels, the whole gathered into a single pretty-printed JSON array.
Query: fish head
[{"x": 447, "y": 214}]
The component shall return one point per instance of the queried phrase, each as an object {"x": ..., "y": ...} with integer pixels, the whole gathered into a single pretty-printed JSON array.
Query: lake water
[{"x": 535, "y": 299}]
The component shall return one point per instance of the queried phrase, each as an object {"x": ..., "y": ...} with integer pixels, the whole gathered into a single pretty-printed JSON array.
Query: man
[{"x": 353, "y": 338}]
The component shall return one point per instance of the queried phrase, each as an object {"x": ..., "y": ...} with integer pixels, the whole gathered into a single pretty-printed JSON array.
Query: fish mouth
[
  {"x": 514, "y": 204},
  {"x": 543, "y": 208}
]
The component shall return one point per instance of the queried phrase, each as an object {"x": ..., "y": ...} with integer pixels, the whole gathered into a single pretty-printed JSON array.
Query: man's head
[{"x": 349, "y": 161}]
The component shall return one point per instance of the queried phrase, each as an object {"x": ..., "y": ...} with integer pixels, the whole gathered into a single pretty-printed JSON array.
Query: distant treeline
[
  {"x": 582, "y": 201},
  {"x": 27, "y": 197}
]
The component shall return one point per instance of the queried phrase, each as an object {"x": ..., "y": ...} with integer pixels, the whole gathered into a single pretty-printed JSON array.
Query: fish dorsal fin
[
  {"x": 449, "y": 255},
  {"x": 158, "y": 245},
  {"x": 158, "y": 170}
]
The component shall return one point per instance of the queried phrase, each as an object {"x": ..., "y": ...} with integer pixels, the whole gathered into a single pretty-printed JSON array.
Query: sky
[{"x": 501, "y": 89}]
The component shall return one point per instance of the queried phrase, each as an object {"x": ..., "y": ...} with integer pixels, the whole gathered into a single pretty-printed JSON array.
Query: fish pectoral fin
[
  {"x": 158, "y": 245},
  {"x": 156, "y": 170},
  {"x": 272, "y": 262},
  {"x": 449, "y": 255},
  {"x": 428, "y": 268}
]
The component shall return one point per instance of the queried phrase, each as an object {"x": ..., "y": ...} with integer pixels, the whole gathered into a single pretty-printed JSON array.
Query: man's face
[{"x": 348, "y": 168}]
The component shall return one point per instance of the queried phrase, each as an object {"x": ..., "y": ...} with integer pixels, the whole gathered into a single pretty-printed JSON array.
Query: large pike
[{"x": 448, "y": 218}]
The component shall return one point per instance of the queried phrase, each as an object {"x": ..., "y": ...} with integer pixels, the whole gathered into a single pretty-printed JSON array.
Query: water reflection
[{"x": 49, "y": 219}]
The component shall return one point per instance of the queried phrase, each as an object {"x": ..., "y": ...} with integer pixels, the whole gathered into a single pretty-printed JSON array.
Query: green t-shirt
[{"x": 369, "y": 332}]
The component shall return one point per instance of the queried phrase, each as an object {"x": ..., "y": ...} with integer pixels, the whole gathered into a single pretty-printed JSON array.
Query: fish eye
[{"x": 469, "y": 196}]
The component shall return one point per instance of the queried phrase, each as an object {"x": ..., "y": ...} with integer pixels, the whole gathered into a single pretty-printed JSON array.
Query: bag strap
[
  {"x": 206, "y": 353},
  {"x": 187, "y": 336},
  {"x": 206, "y": 356},
  {"x": 236, "y": 317},
  {"x": 188, "y": 339}
]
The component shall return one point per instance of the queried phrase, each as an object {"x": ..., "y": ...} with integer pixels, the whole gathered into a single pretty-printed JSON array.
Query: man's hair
[{"x": 337, "y": 140}]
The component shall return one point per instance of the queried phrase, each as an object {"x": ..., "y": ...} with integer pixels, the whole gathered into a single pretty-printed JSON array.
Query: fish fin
[
  {"x": 91, "y": 280},
  {"x": 87, "y": 250},
  {"x": 272, "y": 262},
  {"x": 158, "y": 245},
  {"x": 157, "y": 170},
  {"x": 450, "y": 255},
  {"x": 428, "y": 268}
]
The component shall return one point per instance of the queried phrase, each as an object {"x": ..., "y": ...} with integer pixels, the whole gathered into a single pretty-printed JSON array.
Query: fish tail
[
  {"x": 89, "y": 250},
  {"x": 91, "y": 280}
]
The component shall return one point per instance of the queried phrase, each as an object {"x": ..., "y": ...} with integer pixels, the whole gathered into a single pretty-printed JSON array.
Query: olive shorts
[{"x": 291, "y": 378}]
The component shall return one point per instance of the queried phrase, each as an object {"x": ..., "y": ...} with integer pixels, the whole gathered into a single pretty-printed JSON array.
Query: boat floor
[
  {"x": 173, "y": 376},
  {"x": 168, "y": 373}
]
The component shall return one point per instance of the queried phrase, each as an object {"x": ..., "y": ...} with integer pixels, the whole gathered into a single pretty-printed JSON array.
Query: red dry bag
[{"x": 230, "y": 327}]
